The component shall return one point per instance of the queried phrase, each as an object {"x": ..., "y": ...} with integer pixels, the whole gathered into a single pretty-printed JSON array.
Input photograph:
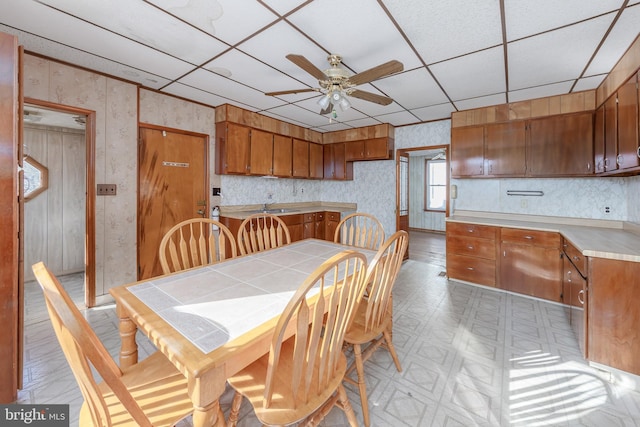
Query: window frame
[{"x": 428, "y": 185}]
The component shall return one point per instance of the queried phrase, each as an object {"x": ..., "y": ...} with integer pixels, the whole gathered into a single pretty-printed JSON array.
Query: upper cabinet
[
  {"x": 282, "y": 155},
  {"x": 300, "y": 158},
  {"x": 467, "y": 151},
  {"x": 505, "y": 149},
  {"x": 316, "y": 161},
  {"x": 561, "y": 145},
  {"x": 232, "y": 148}
]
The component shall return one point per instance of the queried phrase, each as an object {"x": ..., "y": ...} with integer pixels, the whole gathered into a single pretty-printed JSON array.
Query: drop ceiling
[{"x": 457, "y": 55}]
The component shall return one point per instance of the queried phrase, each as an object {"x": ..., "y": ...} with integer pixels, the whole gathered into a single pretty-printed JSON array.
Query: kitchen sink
[{"x": 273, "y": 211}]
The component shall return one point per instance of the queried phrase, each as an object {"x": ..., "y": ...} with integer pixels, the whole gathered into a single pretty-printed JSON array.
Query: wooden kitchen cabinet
[
  {"x": 316, "y": 161},
  {"x": 467, "y": 151},
  {"x": 332, "y": 219},
  {"x": 471, "y": 253},
  {"x": 260, "y": 152},
  {"x": 561, "y": 145},
  {"x": 232, "y": 148},
  {"x": 530, "y": 263},
  {"x": 300, "y": 158},
  {"x": 335, "y": 163},
  {"x": 574, "y": 292},
  {"x": 627, "y": 118},
  {"x": 614, "y": 314},
  {"x": 598, "y": 140},
  {"x": 309, "y": 225},
  {"x": 282, "y": 156},
  {"x": 369, "y": 149},
  {"x": 320, "y": 225},
  {"x": 610, "y": 134},
  {"x": 505, "y": 149}
]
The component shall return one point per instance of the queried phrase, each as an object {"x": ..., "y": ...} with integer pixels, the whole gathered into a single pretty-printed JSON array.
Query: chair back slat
[
  {"x": 196, "y": 242},
  {"x": 83, "y": 350},
  {"x": 260, "y": 232},
  {"x": 319, "y": 314},
  {"x": 361, "y": 230},
  {"x": 381, "y": 278}
]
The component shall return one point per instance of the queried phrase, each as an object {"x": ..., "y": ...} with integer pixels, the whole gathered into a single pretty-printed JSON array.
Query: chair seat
[
  {"x": 356, "y": 334},
  {"x": 156, "y": 385},
  {"x": 250, "y": 382}
]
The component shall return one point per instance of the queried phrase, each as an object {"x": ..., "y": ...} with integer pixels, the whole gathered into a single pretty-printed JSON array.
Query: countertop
[
  {"x": 243, "y": 211},
  {"x": 594, "y": 238}
]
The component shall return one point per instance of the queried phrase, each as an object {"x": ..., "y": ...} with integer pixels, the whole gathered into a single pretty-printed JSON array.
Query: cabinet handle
[
  {"x": 581, "y": 296},
  {"x": 619, "y": 159},
  {"x": 528, "y": 237},
  {"x": 470, "y": 247},
  {"x": 470, "y": 230},
  {"x": 638, "y": 151},
  {"x": 576, "y": 258},
  {"x": 470, "y": 268}
]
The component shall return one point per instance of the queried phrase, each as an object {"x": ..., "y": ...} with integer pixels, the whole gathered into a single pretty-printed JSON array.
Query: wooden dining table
[{"x": 212, "y": 321}]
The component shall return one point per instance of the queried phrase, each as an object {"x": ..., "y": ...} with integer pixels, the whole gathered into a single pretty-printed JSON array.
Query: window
[
  {"x": 35, "y": 178},
  {"x": 436, "y": 185}
]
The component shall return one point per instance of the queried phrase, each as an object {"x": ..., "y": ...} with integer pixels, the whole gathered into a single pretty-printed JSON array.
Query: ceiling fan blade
[
  {"x": 306, "y": 65},
  {"x": 375, "y": 73},
  {"x": 288, "y": 92},
  {"x": 371, "y": 97}
]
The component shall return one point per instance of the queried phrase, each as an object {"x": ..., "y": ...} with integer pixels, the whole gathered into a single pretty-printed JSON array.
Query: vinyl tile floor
[{"x": 471, "y": 356}]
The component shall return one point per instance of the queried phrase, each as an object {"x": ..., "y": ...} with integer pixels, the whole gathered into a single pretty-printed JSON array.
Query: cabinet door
[
  {"x": 236, "y": 149},
  {"x": 261, "y": 153},
  {"x": 377, "y": 148},
  {"x": 300, "y": 158},
  {"x": 467, "y": 151},
  {"x": 561, "y": 145},
  {"x": 335, "y": 162},
  {"x": 574, "y": 288},
  {"x": 505, "y": 149},
  {"x": 628, "y": 125},
  {"x": 598, "y": 140},
  {"x": 316, "y": 164},
  {"x": 354, "y": 150},
  {"x": 331, "y": 223},
  {"x": 610, "y": 134},
  {"x": 531, "y": 270},
  {"x": 282, "y": 155}
]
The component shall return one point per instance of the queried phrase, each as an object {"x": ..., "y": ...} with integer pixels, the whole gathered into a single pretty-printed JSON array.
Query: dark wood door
[
  {"x": 261, "y": 153},
  {"x": 531, "y": 270},
  {"x": 561, "y": 145},
  {"x": 467, "y": 151},
  {"x": 628, "y": 125},
  {"x": 172, "y": 181},
  {"x": 316, "y": 163},
  {"x": 505, "y": 149},
  {"x": 232, "y": 148},
  {"x": 282, "y": 155},
  {"x": 300, "y": 158},
  {"x": 402, "y": 194}
]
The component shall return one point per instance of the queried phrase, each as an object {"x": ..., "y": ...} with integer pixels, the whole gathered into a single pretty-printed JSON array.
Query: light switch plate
[{"x": 106, "y": 190}]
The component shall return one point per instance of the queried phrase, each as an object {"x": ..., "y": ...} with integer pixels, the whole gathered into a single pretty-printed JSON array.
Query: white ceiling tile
[
  {"x": 188, "y": 92},
  {"x": 527, "y": 17},
  {"x": 361, "y": 33},
  {"x": 616, "y": 43},
  {"x": 540, "y": 91},
  {"x": 474, "y": 75},
  {"x": 283, "y": 6},
  {"x": 214, "y": 83},
  {"x": 412, "y": 89},
  {"x": 303, "y": 115},
  {"x": 399, "y": 118},
  {"x": 229, "y": 20},
  {"x": 588, "y": 83},
  {"x": 147, "y": 25},
  {"x": 434, "y": 112},
  {"x": 481, "y": 101},
  {"x": 366, "y": 121},
  {"x": 445, "y": 29},
  {"x": 534, "y": 61}
]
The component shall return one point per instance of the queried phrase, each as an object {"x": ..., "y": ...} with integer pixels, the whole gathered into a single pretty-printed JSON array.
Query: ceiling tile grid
[{"x": 456, "y": 54}]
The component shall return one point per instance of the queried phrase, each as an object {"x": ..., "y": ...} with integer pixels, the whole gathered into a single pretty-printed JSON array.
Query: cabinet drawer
[
  {"x": 464, "y": 229},
  {"x": 309, "y": 217},
  {"x": 292, "y": 219},
  {"x": 333, "y": 216},
  {"x": 531, "y": 237},
  {"x": 471, "y": 246},
  {"x": 576, "y": 257},
  {"x": 471, "y": 269},
  {"x": 319, "y": 216}
]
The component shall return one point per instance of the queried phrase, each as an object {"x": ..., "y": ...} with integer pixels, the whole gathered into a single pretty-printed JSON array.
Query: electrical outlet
[
  {"x": 607, "y": 209},
  {"x": 106, "y": 189}
]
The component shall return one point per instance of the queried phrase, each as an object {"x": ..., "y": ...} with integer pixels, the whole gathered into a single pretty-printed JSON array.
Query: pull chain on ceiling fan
[{"x": 336, "y": 83}]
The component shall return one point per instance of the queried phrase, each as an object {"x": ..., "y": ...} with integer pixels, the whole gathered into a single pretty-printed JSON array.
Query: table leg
[
  {"x": 128, "y": 345},
  {"x": 205, "y": 392}
]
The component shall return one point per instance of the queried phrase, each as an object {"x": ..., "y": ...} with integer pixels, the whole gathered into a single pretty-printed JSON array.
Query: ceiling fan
[{"x": 336, "y": 83}]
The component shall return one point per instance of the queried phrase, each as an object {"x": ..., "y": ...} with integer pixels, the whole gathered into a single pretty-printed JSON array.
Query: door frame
[
  {"x": 406, "y": 151},
  {"x": 90, "y": 198}
]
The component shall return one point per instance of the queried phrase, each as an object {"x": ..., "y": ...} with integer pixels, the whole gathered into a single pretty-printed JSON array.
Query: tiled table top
[{"x": 212, "y": 305}]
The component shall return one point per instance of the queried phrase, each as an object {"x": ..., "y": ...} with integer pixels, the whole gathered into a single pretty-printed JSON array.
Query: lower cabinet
[
  {"x": 471, "y": 253},
  {"x": 331, "y": 221},
  {"x": 530, "y": 263},
  {"x": 614, "y": 314},
  {"x": 574, "y": 292}
]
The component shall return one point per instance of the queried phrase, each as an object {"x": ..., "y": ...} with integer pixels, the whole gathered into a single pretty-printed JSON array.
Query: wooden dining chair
[
  {"x": 262, "y": 231},
  {"x": 150, "y": 393},
  {"x": 361, "y": 230},
  {"x": 373, "y": 318},
  {"x": 195, "y": 242},
  {"x": 301, "y": 376}
]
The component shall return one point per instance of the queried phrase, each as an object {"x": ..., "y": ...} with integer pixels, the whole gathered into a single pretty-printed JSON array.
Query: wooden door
[
  {"x": 10, "y": 290},
  {"x": 282, "y": 155},
  {"x": 505, "y": 149},
  {"x": 402, "y": 194},
  {"x": 300, "y": 158},
  {"x": 172, "y": 187},
  {"x": 467, "y": 151},
  {"x": 628, "y": 125},
  {"x": 261, "y": 153}
]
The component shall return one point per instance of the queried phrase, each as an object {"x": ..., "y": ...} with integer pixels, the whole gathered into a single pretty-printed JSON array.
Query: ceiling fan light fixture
[
  {"x": 344, "y": 103},
  {"x": 324, "y": 101}
]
